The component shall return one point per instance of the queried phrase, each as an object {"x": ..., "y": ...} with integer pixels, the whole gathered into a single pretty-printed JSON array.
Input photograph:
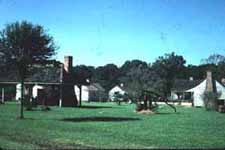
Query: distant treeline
[{"x": 159, "y": 76}]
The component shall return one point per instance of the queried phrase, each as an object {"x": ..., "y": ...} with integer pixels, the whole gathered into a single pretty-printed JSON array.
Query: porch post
[
  {"x": 60, "y": 95},
  {"x": 3, "y": 95},
  {"x": 30, "y": 90}
]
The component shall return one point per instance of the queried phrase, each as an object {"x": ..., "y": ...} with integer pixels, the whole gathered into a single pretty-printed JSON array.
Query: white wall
[
  {"x": 220, "y": 89},
  {"x": 198, "y": 93},
  {"x": 35, "y": 90},
  {"x": 85, "y": 93},
  {"x": 114, "y": 90},
  {"x": 18, "y": 91},
  {"x": 174, "y": 96}
]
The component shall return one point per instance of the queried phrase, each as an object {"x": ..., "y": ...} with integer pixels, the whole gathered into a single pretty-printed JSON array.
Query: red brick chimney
[
  {"x": 68, "y": 64},
  {"x": 68, "y": 97}
]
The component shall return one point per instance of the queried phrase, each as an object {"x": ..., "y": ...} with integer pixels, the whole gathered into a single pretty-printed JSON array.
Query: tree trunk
[
  {"x": 145, "y": 102},
  {"x": 22, "y": 98},
  {"x": 80, "y": 95},
  {"x": 150, "y": 103}
]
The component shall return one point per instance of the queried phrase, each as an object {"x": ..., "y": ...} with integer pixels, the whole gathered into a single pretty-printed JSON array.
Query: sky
[{"x": 98, "y": 32}]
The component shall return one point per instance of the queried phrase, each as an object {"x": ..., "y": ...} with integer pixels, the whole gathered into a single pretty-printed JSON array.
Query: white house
[
  {"x": 198, "y": 92},
  {"x": 114, "y": 90},
  {"x": 34, "y": 91},
  {"x": 84, "y": 93},
  {"x": 92, "y": 92},
  {"x": 18, "y": 91},
  {"x": 196, "y": 89}
]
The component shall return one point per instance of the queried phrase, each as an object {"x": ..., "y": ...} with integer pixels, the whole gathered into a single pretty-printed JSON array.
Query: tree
[
  {"x": 82, "y": 73},
  {"x": 136, "y": 77},
  {"x": 24, "y": 44},
  {"x": 168, "y": 67},
  {"x": 107, "y": 75},
  {"x": 214, "y": 59}
]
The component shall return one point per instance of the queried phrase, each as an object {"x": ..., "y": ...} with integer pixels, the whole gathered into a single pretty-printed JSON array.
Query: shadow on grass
[
  {"x": 167, "y": 113},
  {"x": 95, "y": 107},
  {"x": 96, "y": 119}
]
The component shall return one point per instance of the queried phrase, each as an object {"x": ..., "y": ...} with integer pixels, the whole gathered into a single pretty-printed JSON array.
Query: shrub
[{"x": 118, "y": 97}]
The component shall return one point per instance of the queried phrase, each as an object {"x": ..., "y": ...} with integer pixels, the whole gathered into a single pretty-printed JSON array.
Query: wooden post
[
  {"x": 30, "y": 92},
  {"x": 145, "y": 101},
  {"x": 192, "y": 99},
  {"x": 150, "y": 101},
  {"x": 60, "y": 95},
  {"x": 22, "y": 98},
  {"x": 3, "y": 95}
]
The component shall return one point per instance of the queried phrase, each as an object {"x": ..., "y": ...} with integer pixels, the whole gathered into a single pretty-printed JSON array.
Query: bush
[
  {"x": 118, "y": 98},
  {"x": 210, "y": 100}
]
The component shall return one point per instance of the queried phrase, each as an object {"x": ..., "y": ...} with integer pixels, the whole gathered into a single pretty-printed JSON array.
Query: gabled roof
[
  {"x": 45, "y": 74},
  {"x": 117, "y": 88},
  {"x": 181, "y": 85},
  {"x": 96, "y": 87},
  {"x": 40, "y": 74}
]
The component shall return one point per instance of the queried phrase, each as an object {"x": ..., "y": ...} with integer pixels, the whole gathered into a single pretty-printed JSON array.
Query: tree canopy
[
  {"x": 168, "y": 67},
  {"x": 137, "y": 75},
  {"x": 24, "y": 38},
  {"x": 107, "y": 75},
  {"x": 214, "y": 59},
  {"x": 23, "y": 44}
]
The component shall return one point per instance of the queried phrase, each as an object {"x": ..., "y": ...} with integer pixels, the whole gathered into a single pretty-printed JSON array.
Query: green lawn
[{"x": 110, "y": 126}]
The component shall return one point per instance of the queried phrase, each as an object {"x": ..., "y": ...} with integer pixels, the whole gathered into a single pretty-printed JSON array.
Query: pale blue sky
[{"x": 97, "y": 32}]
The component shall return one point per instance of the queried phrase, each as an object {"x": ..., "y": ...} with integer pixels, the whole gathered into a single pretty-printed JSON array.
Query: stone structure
[
  {"x": 210, "y": 83},
  {"x": 68, "y": 97}
]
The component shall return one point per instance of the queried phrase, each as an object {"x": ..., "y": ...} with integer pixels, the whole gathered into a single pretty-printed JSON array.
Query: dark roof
[
  {"x": 97, "y": 86},
  {"x": 183, "y": 85},
  {"x": 45, "y": 74},
  {"x": 40, "y": 74}
]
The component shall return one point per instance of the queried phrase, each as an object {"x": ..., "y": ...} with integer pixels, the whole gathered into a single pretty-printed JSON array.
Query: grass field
[{"x": 107, "y": 125}]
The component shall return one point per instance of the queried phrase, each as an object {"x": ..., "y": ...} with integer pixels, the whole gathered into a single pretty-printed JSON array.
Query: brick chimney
[
  {"x": 68, "y": 64},
  {"x": 67, "y": 94},
  {"x": 210, "y": 85}
]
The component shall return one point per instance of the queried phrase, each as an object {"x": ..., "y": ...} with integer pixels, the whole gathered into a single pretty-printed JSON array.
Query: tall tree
[
  {"x": 138, "y": 76},
  {"x": 167, "y": 67},
  {"x": 107, "y": 75},
  {"x": 214, "y": 59},
  {"x": 23, "y": 44},
  {"x": 82, "y": 74}
]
